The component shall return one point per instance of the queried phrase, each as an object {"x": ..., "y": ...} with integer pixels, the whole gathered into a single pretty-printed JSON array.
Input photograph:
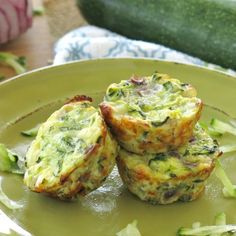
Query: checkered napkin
[{"x": 92, "y": 42}]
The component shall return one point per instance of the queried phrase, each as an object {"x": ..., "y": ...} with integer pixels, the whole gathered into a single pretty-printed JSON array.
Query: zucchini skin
[{"x": 202, "y": 28}]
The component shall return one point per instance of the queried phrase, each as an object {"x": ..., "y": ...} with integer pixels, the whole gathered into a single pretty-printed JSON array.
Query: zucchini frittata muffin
[
  {"x": 167, "y": 177},
  {"x": 73, "y": 152},
  {"x": 151, "y": 114}
]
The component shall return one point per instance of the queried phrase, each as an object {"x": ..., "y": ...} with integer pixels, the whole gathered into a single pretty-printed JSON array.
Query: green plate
[{"x": 29, "y": 99}]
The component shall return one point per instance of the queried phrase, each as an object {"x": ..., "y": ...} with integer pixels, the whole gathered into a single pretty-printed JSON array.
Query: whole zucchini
[{"x": 202, "y": 28}]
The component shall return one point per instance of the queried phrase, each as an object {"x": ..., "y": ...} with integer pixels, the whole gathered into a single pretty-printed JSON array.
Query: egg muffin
[
  {"x": 73, "y": 152},
  {"x": 151, "y": 114},
  {"x": 164, "y": 178}
]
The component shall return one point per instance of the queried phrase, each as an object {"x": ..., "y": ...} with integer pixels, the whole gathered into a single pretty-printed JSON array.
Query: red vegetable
[{"x": 15, "y": 18}]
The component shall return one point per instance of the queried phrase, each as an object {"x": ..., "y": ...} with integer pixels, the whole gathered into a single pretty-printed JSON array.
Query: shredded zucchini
[
  {"x": 228, "y": 148},
  {"x": 223, "y": 127},
  {"x": 130, "y": 230},
  {"x": 229, "y": 189},
  {"x": 233, "y": 122},
  {"x": 207, "y": 230},
  {"x": 210, "y": 130},
  {"x": 38, "y": 11},
  {"x": 31, "y": 132},
  {"x": 9, "y": 161},
  {"x": 220, "y": 219},
  {"x": 196, "y": 225},
  {"x": 219, "y": 229},
  {"x": 17, "y": 63}
]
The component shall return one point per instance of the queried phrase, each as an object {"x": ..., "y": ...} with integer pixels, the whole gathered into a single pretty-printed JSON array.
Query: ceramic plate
[{"x": 29, "y": 99}]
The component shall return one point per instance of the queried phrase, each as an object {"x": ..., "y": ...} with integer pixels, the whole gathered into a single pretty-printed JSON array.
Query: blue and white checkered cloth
[{"x": 89, "y": 42}]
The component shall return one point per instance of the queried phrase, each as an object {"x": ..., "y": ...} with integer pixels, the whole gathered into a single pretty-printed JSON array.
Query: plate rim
[{"x": 194, "y": 66}]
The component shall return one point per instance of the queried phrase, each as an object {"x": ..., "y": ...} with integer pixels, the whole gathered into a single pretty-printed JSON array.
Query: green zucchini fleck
[
  {"x": 168, "y": 86},
  {"x": 158, "y": 157},
  {"x": 159, "y": 123},
  {"x": 31, "y": 132}
]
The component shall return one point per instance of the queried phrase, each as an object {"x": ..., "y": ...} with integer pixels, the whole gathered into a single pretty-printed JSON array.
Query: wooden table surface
[{"x": 36, "y": 45}]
